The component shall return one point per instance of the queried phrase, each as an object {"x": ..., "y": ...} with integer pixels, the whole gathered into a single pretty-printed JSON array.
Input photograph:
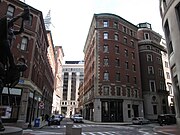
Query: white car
[
  {"x": 140, "y": 120},
  {"x": 78, "y": 118}
]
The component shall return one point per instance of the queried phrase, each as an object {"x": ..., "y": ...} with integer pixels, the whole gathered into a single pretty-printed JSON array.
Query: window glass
[
  {"x": 10, "y": 11},
  {"x": 106, "y": 48},
  {"x": 106, "y": 76},
  {"x": 105, "y": 23},
  {"x": 106, "y": 90},
  {"x": 105, "y": 35},
  {"x": 24, "y": 43}
]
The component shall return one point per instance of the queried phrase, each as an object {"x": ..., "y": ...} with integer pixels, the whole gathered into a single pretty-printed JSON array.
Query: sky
[{"x": 71, "y": 19}]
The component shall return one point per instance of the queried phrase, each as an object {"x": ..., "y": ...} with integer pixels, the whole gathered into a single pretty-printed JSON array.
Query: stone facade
[{"x": 170, "y": 14}]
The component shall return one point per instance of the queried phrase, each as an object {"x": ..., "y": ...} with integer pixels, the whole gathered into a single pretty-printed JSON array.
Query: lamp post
[{"x": 32, "y": 106}]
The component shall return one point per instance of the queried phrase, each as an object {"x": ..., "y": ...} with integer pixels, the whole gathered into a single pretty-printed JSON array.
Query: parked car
[
  {"x": 72, "y": 117},
  {"x": 61, "y": 116},
  {"x": 140, "y": 120},
  {"x": 55, "y": 120},
  {"x": 166, "y": 119},
  {"x": 77, "y": 118}
]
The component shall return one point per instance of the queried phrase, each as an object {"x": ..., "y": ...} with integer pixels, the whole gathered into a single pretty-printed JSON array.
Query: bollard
[
  {"x": 69, "y": 128},
  {"x": 76, "y": 131}
]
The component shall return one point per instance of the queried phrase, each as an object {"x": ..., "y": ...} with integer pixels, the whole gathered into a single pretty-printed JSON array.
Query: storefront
[
  {"x": 10, "y": 104},
  {"x": 112, "y": 110}
]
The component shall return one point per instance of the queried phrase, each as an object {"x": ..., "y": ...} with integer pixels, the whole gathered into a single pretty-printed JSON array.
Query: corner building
[
  {"x": 170, "y": 14},
  {"x": 37, "y": 82},
  {"x": 154, "y": 90},
  {"x": 112, "y": 85}
]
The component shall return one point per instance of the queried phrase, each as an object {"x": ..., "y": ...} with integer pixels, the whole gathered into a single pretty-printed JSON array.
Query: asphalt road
[{"x": 94, "y": 129}]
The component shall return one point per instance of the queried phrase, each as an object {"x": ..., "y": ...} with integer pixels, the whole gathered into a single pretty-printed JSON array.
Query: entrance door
[
  {"x": 136, "y": 110},
  {"x": 112, "y": 111}
]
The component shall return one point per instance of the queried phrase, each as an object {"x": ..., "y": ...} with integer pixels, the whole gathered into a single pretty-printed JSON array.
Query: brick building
[
  {"x": 112, "y": 84},
  {"x": 154, "y": 90},
  {"x": 37, "y": 82}
]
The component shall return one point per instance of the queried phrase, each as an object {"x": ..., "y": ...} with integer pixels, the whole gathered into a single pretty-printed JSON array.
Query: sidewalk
[
  {"x": 107, "y": 123},
  {"x": 167, "y": 130}
]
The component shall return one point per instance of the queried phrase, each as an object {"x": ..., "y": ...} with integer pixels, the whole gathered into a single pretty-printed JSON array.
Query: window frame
[
  {"x": 10, "y": 13},
  {"x": 105, "y": 35},
  {"x": 24, "y": 45}
]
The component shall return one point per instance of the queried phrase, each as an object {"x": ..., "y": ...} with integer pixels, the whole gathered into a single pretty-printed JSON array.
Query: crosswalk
[
  {"x": 75, "y": 126},
  {"x": 28, "y": 132},
  {"x": 87, "y": 133},
  {"x": 101, "y": 133}
]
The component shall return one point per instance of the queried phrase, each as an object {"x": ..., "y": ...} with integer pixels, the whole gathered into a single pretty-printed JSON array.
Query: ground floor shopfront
[
  {"x": 113, "y": 110},
  {"x": 21, "y": 104}
]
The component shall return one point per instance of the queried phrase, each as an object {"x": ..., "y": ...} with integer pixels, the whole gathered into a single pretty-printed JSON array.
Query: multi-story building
[
  {"x": 112, "y": 84},
  {"x": 170, "y": 14},
  {"x": 81, "y": 98},
  {"x": 59, "y": 54},
  {"x": 154, "y": 90},
  {"x": 37, "y": 82},
  {"x": 73, "y": 76},
  {"x": 167, "y": 76}
]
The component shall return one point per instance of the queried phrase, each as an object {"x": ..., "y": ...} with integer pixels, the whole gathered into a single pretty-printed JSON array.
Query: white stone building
[{"x": 72, "y": 74}]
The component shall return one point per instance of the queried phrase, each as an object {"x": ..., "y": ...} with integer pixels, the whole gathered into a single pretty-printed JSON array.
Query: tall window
[
  {"x": 150, "y": 70},
  {"x": 115, "y": 25},
  {"x": 106, "y": 48},
  {"x": 135, "y": 80},
  {"x": 105, "y": 23},
  {"x": 106, "y": 61},
  {"x": 125, "y": 40},
  {"x": 118, "y": 91},
  {"x": 10, "y": 11},
  {"x": 170, "y": 89},
  {"x": 149, "y": 57},
  {"x": 106, "y": 90},
  {"x": 130, "y": 32},
  {"x": 105, "y": 35},
  {"x": 132, "y": 43},
  {"x": 117, "y": 76},
  {"x": 128, "y": 92},
  {"x": 116, "y": 37},
  {"x": 116, "y": 49},
  {"x": 159, "y": 60},
  {"x": 24, "y": 44},
  {"x": 126, "y": 65},
  {"x": 155, "y": 109},
  {"x": 127, "y": 79},
  {"x": 117, "y": 62},
  {"x": 126, "y": 52},
  {"x": 161, "y": 72},
  {"x": 152, "y": 85},
  {"x": 166, "y": 64},
  {"x": 133, "y": 67},
  {"x": 161, "y": 85},
  {"x": 168, "y": 37},
  {"x": 133, "y": 55},
  {"x": 146, "y": 36},
  {"x": 124, "y": 29},
  {"x": 30, "y": 20},
  {"x": 106, "y": 76},
  {"x": 135, "y": 93}
]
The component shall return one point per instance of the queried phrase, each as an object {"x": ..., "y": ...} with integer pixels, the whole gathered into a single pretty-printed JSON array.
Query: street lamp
[{"x": 32, "y": 106}]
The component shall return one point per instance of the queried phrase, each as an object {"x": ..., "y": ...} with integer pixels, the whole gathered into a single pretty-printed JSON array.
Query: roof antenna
[{"x": 47, "y": 20}]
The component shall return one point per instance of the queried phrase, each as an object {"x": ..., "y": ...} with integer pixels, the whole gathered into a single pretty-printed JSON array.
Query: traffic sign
[{"x": 41, "y": 105}]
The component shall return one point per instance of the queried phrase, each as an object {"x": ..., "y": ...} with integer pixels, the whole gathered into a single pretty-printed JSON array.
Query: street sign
[{"x": 41, "y": 105}]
